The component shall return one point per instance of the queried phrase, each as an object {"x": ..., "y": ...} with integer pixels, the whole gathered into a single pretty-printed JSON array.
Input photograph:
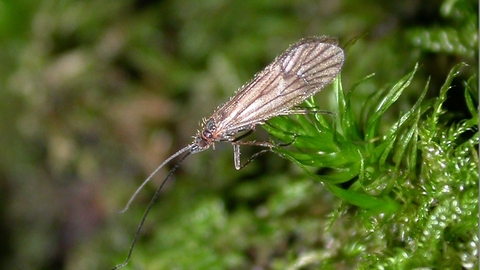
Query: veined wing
[{"x": 297, "y": 74}]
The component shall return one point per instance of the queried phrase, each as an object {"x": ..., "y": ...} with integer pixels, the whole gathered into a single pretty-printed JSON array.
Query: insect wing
[{"x": 297, "y": 74}]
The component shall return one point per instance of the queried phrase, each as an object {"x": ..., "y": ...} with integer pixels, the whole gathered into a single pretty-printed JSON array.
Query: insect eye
[
  {"x": 210, "y": 126},
  {"x": 207, "y": 134}
]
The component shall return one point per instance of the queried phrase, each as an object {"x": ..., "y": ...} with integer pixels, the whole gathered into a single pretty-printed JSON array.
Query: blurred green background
[{"x": 95, "y": 94}]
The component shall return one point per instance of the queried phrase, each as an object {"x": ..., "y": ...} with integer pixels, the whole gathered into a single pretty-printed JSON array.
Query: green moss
[{"x": 415, "y": 186}]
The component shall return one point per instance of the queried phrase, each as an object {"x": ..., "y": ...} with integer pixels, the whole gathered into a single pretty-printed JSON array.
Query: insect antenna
[
  {"x": 179, "y": 152},
  {"x": 155, "y": 197}
]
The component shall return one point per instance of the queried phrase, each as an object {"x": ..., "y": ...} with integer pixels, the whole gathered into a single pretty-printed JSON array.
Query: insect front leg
[
  {"x": 236, "y": 156},
  {"x": 236, "y": 146},
  {"x": 270, "y": 145},
  {"x": 236, "y": 151}
]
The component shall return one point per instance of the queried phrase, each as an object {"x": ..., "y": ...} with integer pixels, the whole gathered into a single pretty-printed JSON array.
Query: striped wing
[{"x": 297, "y": 74}]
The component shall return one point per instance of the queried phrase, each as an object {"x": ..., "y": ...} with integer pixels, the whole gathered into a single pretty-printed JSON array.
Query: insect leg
[
  {"x": 236, "y": 156},
  {"x": 254, "y": 156},
  {"x": 236, "y": 150},
  {"x": 305, "y": 111}
]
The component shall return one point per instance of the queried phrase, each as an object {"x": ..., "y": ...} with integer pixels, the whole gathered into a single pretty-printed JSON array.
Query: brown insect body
[{"x": 290, "y": 79}]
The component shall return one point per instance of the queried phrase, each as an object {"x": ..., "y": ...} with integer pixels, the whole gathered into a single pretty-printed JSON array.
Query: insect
[{"x": 297, "y": 74}]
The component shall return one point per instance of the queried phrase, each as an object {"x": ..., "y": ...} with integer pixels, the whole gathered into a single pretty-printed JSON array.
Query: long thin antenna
[
  {"x": 155, "y": 197},
  {"x": 183, "y": 150}
]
